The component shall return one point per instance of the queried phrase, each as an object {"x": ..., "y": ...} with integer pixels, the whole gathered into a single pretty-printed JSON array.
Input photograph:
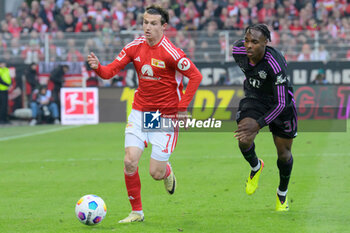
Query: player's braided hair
[
  {"x": 260, "y": 27},
  {"x": 158, "y": 10}
]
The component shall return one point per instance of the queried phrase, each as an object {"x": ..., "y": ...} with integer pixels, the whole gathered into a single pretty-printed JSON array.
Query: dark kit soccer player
[{"x": 268, "y": 101}]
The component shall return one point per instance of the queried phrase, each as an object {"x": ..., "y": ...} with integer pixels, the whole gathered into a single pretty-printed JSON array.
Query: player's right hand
[{"x": 93, "y": 61}]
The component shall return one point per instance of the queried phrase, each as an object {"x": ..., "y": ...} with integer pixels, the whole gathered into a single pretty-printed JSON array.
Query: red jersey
[{"x": 160, "y": 87}]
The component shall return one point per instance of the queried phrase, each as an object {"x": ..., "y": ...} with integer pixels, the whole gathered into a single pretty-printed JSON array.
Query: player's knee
[
  {"x": 284, "y": 155},
  {"x": 156, "y": 174},
  {"x": 129, "y": 163}
]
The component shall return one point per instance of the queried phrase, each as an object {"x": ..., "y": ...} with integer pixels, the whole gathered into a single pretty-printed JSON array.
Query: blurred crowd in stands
[{"x": 294, "y": 23}]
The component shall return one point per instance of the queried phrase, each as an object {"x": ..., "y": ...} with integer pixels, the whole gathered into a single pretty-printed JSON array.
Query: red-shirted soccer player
[{"x": 156, "y": 61}]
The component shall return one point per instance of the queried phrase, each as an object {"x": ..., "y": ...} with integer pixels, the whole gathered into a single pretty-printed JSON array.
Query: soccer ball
[{"x": 90, "y": 209}]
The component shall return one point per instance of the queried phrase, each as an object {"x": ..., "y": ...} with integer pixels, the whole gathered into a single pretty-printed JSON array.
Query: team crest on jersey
[
  {"x": 158, "y": 63},
  {"x": 184, "y": 64},
  {"x": 121, "y": 55},
  {"x": 147, "y": 70},
  {"x": 262, "y": 74}
]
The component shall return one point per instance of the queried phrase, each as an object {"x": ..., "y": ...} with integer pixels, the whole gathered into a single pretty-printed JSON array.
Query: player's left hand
[{"x": 247, "y": 129}]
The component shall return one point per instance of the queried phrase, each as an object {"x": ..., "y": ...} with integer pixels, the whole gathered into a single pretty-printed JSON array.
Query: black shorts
[{"x": 284, "y": 126}]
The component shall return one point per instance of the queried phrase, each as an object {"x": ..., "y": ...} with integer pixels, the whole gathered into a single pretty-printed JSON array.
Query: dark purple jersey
[{"x": 266, "y": 81}]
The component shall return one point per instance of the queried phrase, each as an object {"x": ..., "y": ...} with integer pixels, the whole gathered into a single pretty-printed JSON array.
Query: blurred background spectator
[
  {"x": 5, "y": 82},
  {"x": 320, "y": 54},
  {"x": 56, "y": 82},
  {"x": 320, "y": 78},
  {"x": 32, "y": 81},
  {"x": 43, "y": 108}
]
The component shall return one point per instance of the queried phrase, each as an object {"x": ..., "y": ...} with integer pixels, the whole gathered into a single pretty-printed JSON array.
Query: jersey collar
[{"x": 158, "y": 44}]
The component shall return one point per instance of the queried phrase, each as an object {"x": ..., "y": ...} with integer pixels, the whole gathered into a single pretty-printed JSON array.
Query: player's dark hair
[
  {"x": 157, "y": 10},
  {"x": 260, "y": 27}
]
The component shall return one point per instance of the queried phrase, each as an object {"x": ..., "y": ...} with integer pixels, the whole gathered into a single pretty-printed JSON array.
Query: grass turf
[{"x": 46, "y": 169}]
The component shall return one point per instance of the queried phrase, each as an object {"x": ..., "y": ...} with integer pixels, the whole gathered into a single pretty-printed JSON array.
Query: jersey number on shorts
[
  {"x": 167, "y": 144},
  {"x": 289, "y": 125}
]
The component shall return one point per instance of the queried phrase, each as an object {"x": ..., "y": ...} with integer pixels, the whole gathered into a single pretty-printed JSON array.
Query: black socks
[
  {"x": 285, "y": 169},
  {"x": 250, "y": 155}
]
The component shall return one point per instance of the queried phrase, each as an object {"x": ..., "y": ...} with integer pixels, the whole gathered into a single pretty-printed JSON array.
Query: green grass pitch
[{"x": 44, "y": 170}]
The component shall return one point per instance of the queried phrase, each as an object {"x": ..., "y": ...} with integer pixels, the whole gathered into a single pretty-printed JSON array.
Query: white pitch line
[
  {"x": 63, "y": 160},
  {"x": 121, "y": 158},
  {"x": 38, "y": 133}
]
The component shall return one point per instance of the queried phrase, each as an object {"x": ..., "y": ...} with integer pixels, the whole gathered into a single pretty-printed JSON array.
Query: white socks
[
  {"x": 284, "y": 193},
  {"x": 138, "y": 211},
  {"x": 257, "y": 167}
]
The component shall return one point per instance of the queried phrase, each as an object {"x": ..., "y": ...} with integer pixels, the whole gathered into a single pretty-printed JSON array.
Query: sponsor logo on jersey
[
  {"x": 254, "y": 82},
  {"x": 147, "y": 70},
  {"x": 121, "y": 55},
  {"x": 184, "y": 64},
  {"x": 262, "y": 74},
  {"x": 147, "y": 73},
  {"x": 280, "y": 79},
  {"x": 137, "y": 59},
  {"x": 158, "y": 63}
]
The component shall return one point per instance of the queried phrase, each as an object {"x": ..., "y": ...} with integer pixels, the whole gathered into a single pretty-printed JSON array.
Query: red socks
[{"x": 133, "y": 186}]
